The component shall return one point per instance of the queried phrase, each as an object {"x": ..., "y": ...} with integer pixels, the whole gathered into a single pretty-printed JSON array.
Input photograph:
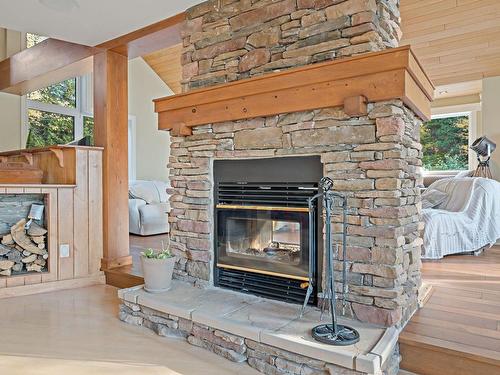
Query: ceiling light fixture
[{"x": 60, "y": 5}]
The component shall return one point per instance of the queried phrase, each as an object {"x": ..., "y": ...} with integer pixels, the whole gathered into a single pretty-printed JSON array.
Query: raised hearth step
[{"x": 268, "y": 322}]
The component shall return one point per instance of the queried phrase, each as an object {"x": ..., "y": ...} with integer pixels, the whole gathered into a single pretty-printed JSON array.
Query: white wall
[
  {"x": 10, "y": 105},
  {"x": 152, "y": 145},
  {"x": 491, "y": 119}
]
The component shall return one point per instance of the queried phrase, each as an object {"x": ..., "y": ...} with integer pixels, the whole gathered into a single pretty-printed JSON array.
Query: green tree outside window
[
  {"x": 445, "y": 143},
  {"x": 48, "y": 129}
]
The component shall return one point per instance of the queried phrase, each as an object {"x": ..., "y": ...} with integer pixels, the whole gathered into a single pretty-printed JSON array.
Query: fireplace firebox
[{"x": 262, "y": 225}]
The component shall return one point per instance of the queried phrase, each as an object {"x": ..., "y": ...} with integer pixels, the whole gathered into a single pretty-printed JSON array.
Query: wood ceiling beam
[
  {"x": 160, "y": 35},
  {"x": 54, "y": 60},
  {"x": 48, "y": 62}
]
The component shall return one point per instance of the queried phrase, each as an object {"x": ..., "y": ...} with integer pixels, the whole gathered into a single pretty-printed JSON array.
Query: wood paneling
[
  {"x": 457, "y": 330},
  {"x": 111, "y": 132},
  {"x": 48, "y": 62},
  {"x": 455, "y": 40},
  {"x": 74, "y": 217},
  {"x": 167, "y": 64},
  {"x": 378, "y": 76}
]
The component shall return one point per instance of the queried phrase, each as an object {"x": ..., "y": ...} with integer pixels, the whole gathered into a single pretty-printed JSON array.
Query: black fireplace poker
[{"x": 334, "y": 333}]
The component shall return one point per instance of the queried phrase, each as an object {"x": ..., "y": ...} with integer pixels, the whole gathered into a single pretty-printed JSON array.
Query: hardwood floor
[
  {"x": 77, "y": 332},
  {"x": 458, "y": 330}
]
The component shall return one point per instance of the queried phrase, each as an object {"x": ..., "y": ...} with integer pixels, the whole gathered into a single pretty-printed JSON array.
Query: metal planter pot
[{"x": 157, "y": 274}]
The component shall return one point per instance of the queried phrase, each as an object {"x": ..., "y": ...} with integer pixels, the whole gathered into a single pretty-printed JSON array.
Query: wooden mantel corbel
[{"x": 391, "y": 74}]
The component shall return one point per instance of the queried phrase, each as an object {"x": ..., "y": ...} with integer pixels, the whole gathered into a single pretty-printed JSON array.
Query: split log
[
  {"x": 4, "y": 250},
  {"x": 38, "y": 239},
  {"x": 36, "y": 230},
  {"x": 6, "y": 272},
  {"x": 34, "y": 267},
  {"x": 15, "y": 256},
  {"x": 7, "y": 240},
  {"x": 6, "y": 264},
  {"x": 19, "y": 235},
  {"x": 29, "y": 259},
  {"x": 18, "y": 267}
]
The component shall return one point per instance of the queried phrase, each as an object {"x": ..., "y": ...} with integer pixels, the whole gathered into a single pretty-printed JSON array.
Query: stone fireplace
[{"x": 370, "y": 149}]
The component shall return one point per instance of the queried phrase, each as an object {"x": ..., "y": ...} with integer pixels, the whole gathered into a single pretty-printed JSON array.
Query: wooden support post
[{"x": 111, "y": 132}]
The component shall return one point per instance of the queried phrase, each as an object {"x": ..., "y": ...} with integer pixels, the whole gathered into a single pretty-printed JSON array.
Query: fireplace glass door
[{"x": 269, "y": 240}]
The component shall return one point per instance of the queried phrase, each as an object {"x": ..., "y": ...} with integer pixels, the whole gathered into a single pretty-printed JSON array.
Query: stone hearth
[{"x": 268, "y": 335}]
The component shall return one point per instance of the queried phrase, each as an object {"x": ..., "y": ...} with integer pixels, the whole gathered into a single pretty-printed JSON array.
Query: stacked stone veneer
[
  {"x": 227, "y": 40},
  {"x": 373, "y": 159},
  {"x": 264, "y": 358}
]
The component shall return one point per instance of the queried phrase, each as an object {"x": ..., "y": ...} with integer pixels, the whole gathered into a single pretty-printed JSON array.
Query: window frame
[
  {"x": 473, "y": 111},
  {"x": 81, "y": 110},
  {"x": 83, "y": 107}
]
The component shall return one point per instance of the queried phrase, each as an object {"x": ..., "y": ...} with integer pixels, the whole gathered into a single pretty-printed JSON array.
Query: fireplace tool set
[{"x": 332, "y": 333}]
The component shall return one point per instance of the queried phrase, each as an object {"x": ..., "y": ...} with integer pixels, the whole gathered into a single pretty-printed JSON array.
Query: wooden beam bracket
[
  {"x": 59, "y": 155},
  {"x": 28, "y": 156},
  {"x": 355, "y": 106}
]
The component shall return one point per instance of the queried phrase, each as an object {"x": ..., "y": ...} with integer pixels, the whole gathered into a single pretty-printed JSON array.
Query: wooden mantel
[{"x": 378, "y": 76}]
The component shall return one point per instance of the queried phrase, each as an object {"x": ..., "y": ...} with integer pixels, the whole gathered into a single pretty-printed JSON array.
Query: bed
[{"x": 465, "y": 216}]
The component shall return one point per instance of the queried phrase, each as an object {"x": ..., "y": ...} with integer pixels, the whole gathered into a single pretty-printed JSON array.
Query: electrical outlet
[{"x": 64, "y": 251}]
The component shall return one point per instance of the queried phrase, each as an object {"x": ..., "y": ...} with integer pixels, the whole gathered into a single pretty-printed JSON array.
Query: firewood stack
[{"x": 23, "y": 250}]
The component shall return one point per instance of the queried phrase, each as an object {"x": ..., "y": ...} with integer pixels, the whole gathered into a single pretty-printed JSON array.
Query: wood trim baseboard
[{"x": 52, "y": 286}]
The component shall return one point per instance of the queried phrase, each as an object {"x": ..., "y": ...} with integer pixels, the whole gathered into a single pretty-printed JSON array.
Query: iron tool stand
[{"x": 334, "y": 333}]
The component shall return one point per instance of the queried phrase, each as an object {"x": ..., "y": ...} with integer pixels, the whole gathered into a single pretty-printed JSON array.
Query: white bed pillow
[{"x": 432, "y": 198}]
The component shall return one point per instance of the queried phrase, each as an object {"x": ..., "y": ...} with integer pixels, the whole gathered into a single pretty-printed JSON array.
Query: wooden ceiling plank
[
  {"x": 414, "y": 9},
  {"x": 452, "y": 14},
  {"x": 441, "y": 32}
]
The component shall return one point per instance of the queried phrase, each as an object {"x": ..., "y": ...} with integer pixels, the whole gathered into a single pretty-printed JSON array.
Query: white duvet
[{"x": 467, "y": 220}]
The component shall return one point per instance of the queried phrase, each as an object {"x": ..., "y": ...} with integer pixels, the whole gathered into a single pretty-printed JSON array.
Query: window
[
  {"x": 445, "y": 142},
  {"x": 47, "y": 128},
  {"x": 88, "y": 128},
  {"x": 60, "y": 113}
]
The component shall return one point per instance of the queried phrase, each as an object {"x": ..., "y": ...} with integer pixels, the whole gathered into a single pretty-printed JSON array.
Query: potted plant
[{"x": 158, "y": 267}]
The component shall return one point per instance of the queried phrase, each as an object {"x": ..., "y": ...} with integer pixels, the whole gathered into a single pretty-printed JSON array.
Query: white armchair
[
  {"x": 465, "y": 220},
  {"x": 148, "y": 208}
]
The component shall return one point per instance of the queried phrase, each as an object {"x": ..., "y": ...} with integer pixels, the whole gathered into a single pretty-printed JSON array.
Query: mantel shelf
[{"x": 391, "y": 74}]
